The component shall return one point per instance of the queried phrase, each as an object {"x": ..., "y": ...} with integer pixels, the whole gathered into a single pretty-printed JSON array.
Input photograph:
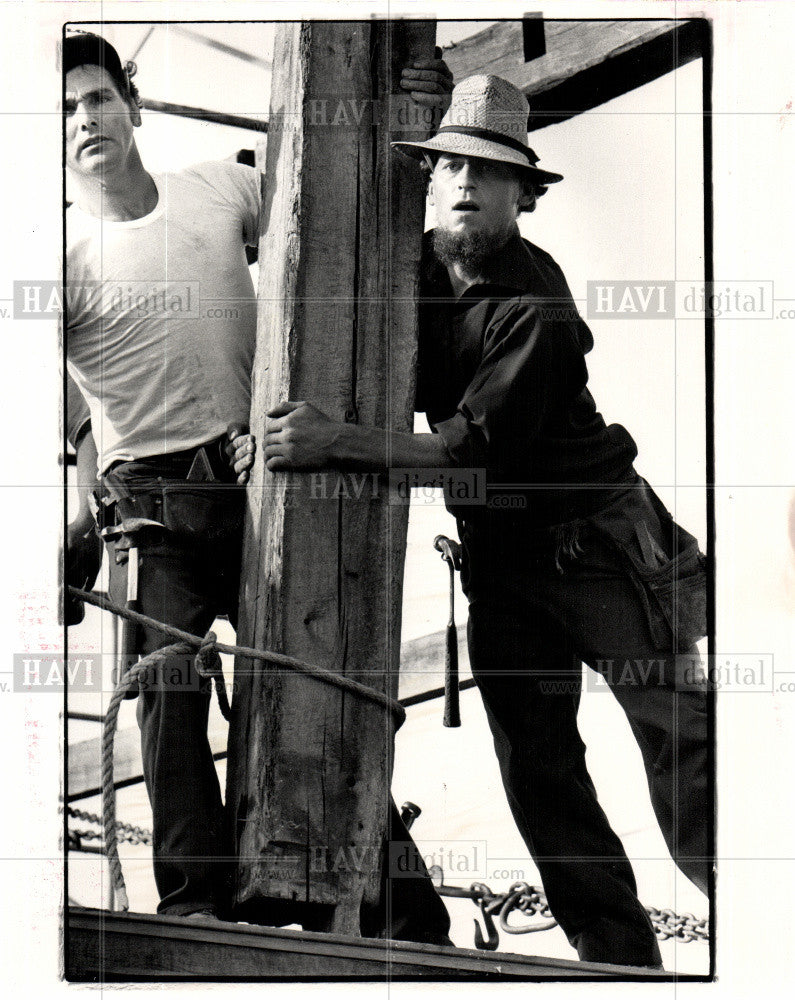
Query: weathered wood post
[{"x": 309, "y": 765}]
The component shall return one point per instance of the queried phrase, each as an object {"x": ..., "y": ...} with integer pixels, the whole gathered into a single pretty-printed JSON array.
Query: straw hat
[{"x": 487, "y": 118}]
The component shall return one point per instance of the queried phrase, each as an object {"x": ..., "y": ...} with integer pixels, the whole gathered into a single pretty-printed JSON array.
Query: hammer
[
  {"x": 451, "y": 554},
  {"x": 123, "y": 534}
]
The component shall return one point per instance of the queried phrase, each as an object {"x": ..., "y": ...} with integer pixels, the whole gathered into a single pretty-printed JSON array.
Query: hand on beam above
[{"x": 429, "y": 81}]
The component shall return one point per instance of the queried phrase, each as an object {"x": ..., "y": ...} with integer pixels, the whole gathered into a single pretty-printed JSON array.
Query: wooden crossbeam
[{"x": 586, "y": 62}]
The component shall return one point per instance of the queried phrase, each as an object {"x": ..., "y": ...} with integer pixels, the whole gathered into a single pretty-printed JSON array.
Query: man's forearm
[
  {"x": 371, "y": 449},
  {"x": 299, "y": 436},
  {"x": 86, "y": 468}
]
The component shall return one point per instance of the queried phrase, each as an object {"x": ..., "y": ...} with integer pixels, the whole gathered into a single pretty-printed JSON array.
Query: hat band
[{"x": 498, "y": 137}]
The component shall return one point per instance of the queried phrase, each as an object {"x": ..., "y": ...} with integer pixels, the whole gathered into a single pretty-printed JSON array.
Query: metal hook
[
  {"x": 492, "y": 941},
  {"x": 515, "y": 893}
]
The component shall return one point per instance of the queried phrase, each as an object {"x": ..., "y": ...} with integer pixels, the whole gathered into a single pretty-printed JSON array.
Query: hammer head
[
  {"x": 128, "y": 527},
  {"x": 123, "y": 535},
  {"x": 451, "y": 551}
]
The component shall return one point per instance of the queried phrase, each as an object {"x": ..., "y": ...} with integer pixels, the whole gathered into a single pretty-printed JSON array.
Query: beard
[{"x": 469, "y": 250}]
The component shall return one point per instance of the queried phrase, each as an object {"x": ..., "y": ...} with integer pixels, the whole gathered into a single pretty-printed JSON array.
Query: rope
[
  {"x": 207, "y": 662},
  {"x": 126, "y": 681},
  {"x": 208, "y": 665},
  {"x": 276, "y": 659}
]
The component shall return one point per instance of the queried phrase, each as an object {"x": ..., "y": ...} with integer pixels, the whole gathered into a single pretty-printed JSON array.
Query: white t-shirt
[{"x": 161, "y": 313}]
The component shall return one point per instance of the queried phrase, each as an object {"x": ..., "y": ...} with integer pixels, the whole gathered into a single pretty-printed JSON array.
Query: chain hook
[
  {"x": 491, "y": 942},
  {"x": 514, "y": 897}
]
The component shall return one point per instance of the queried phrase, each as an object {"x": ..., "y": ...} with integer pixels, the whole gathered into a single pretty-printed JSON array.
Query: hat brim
[{"x": 485, "y": 149}]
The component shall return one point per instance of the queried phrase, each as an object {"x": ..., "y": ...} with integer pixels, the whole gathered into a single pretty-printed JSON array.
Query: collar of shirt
[{"x": 518, "y": 268}]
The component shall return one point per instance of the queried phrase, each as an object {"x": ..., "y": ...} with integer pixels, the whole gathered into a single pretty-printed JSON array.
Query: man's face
[
  {"x": 99, "y": 122},
  {"x": 475, "y": 196}
]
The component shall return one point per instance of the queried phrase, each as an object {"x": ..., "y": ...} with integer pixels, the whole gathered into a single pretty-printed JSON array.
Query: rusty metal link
[
  {"x": 521, "y": 896},
  {"x": 75, "y": 836}
]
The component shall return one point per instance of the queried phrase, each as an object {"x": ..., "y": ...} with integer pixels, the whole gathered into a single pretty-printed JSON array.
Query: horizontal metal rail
[
  {"x": 415, "y": 699},
  {"x": 204, "y": 115}
]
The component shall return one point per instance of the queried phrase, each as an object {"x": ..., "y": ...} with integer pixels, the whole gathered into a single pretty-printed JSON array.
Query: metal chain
[
  {"x": 521, "y": 896},
  {"x": 685, "y": 927},
  {"x": 532, "y": 901},
  {"x": 125, "y": 832}
]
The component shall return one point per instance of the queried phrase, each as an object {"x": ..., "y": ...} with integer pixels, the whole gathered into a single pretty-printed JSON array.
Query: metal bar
[
  {"x": 202, "y": 114},
  {"x": 143, "y": 42},
  {"x": 126, "y": 947},
  {"x": 415, "y": 699},
  {"x": 213, "y": 43},
  {"x": 418, "y": 699}
]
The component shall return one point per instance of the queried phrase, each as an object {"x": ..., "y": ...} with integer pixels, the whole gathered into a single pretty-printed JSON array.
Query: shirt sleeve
[
  {"x": 523, "y": 369},
  {"x": 248, "y": 185},
  {"x": 241, "y": 187}
]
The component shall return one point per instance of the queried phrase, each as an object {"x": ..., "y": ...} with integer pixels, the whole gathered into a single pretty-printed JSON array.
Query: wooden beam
[
  {"x": 310, "y": 767},
  {"x": 586, "y": 62},
  {"x": 421, "y": 675},
  {"x": 125, "y": 947}
]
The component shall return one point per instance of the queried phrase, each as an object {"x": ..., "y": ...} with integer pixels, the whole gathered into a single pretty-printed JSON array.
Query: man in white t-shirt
[{"x": 160, "y": 328}]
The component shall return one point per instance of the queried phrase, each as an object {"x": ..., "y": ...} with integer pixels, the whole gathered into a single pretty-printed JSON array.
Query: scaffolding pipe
[{"x": 202, "y": 114}]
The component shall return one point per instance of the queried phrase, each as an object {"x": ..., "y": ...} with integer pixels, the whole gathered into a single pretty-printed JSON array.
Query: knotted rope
[
  {"x": 207, "y": 662},
  {"x": 208, "y": 665},
  {"x": 130, "y": 676},
  {"x": 344, "y": 683}
]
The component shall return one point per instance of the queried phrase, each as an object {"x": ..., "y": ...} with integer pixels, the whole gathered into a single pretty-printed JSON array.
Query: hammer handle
[{"x": 452, "y": 713}]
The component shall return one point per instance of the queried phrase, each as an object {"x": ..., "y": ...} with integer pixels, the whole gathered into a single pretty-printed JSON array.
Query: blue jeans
[{"x": 623, "y": 591}]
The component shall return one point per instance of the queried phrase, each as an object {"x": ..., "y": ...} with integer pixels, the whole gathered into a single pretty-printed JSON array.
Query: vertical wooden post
[{"x": 309, "y": 766}]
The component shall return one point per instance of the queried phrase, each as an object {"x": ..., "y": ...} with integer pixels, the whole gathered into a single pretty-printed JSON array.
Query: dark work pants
[
  {"x": 187, "y": 582},
  {"x": 542, "y": 602}
]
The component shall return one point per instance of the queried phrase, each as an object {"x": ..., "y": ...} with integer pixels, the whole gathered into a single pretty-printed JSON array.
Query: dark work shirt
[{"x": 502, "y": 378}]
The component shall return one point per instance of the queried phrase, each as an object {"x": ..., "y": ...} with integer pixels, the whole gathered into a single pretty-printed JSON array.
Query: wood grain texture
[
  {"x": 117, "y": 947},
  {"x": 309, "y": 767},
  {"x": 586, "y": 62}
]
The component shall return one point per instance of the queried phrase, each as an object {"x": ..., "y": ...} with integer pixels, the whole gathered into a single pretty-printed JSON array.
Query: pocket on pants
[
  {"x": 679, "y": 590},
  {"x": 209, "y": 513},
  {"x": 665, "y": 565}
]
